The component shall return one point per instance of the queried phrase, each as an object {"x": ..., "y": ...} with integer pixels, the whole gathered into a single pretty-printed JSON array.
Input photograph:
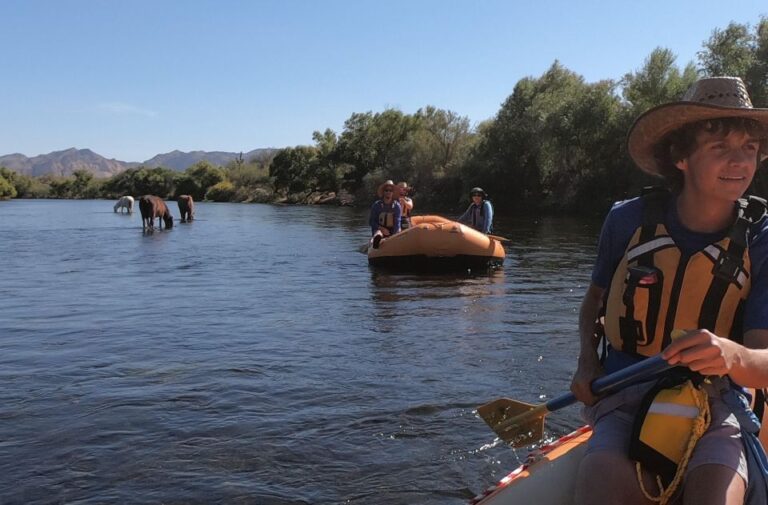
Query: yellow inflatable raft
[{"x": 436, "y": 243}]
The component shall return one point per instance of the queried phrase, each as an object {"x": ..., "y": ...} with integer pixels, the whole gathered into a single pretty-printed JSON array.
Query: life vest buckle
[
  {"x": 642, "y": 276},
  {"x": 727, "y": 267},
  {"x": 639, "y": 276}
]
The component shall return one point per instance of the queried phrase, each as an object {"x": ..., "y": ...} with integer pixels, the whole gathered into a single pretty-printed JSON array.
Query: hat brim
[{"x": 655, "y": 124}]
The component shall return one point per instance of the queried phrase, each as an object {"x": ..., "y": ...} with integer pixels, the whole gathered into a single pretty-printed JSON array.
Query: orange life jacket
[
  {"x": 656, "y": 288},
  {"x": 387, "y": 217}
]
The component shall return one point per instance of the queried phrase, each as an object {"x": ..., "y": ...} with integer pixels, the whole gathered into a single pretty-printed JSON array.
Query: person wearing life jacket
[
  {"x": 681, "y": 272},
  {"x": 406, "y": 204},
  {"x": 479, "y": 214},
  {"x": 385, "y": 214}
]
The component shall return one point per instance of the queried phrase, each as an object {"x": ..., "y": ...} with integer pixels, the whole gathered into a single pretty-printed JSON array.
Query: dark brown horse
[
  {"x": 186, "y": 208},
  {"x": 152, "y": 207}
]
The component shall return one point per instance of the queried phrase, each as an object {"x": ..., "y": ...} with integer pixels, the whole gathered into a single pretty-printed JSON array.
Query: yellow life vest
[
  {"x": 387, "y": 218},
  {"x": 656, "y": 288}
]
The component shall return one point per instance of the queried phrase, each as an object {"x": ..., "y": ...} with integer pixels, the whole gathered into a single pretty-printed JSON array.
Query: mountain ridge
[{"x": 67, "y": 161}]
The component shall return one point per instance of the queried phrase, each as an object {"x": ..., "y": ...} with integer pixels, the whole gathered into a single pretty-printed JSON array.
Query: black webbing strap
[
  {"x": 654, "y": 210},
  {"x": 730, "y": 264}
]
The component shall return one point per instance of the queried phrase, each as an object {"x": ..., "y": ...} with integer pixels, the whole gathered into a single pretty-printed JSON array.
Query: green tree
[
  {"x": 327, "y": 172},
  {"x": 372, "y": 143},
  {"x": 509, "y": 155},
  {"x": 729, "y": 51},
  {"x": 141, "y": 181},
  {"x": 83, "y": 185},
  {"x": 757, "y": 76},
  {"x": 22, "y": 183},
  {"x": 657, "y": 82},
  {"x": 738, "y": 52},
  {"x": 223, "y": 191},
  {"x": 432, "y": 157},
  {"x": 292, "y": 169},
  {"x": 7, "y": 190},
  {"x": 196, "y": 180}
]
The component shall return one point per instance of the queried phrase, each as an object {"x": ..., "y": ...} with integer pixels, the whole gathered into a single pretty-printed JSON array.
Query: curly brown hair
[{"x": 681, "y": 143}]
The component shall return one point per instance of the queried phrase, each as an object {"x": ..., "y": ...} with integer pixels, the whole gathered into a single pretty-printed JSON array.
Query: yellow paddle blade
[{"x": 517, "y": 423}]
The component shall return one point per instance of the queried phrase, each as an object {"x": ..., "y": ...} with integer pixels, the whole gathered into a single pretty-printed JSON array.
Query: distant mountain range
[{"x": 65, "y": 162}]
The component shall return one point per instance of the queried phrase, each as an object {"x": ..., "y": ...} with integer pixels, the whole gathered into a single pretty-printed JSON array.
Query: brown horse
[
  {"x": 152, "y": 207},
  {"x": 186, "y": 208}
]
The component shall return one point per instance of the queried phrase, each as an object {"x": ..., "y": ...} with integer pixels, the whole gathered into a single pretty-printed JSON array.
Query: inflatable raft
[
  {"x": 436, "y": 243},
  {"x": 548, "y": 476}
]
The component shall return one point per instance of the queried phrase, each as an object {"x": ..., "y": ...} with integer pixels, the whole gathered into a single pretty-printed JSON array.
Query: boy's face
[{"x": 721, "y": 167}]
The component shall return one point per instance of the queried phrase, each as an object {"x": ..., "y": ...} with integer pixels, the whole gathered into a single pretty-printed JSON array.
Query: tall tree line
[{"x": 556, "y": 144}]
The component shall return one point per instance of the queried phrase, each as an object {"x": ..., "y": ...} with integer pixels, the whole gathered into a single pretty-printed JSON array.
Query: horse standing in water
[
  {"x": 152, "y": 207},
  {"x": 186, "y": 208},
  {"x": 125, "y": 202}
]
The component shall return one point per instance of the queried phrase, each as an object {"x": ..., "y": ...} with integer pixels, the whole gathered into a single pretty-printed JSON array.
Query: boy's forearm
[{"x": 752, "y": 368}]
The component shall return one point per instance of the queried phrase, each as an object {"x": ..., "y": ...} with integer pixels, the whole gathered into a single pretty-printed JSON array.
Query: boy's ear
[{"x": 682, "y": 164}]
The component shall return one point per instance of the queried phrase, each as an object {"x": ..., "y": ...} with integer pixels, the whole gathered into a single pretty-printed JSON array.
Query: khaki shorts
[{"x": 612, "y": 419}]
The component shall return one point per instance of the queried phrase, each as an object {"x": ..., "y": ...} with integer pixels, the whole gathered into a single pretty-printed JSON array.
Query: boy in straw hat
[
  {"x": 688, "y": 265},
  {"x": 385, "y": 214}
]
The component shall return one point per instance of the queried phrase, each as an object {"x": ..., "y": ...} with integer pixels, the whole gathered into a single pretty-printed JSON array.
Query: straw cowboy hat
[
  {"x": 711, "y": 98},
  {"x": 383, "y": 186}
]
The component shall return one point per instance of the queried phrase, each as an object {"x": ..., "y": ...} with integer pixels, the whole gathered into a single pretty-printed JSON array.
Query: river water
[{"x": 253, "y": 357}]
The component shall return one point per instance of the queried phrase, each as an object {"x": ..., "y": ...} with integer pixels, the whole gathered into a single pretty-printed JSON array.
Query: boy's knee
[{"x": 607, "y": 478}]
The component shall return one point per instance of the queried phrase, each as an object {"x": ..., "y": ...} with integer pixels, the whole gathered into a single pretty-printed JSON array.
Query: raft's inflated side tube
[
  {"x": 433, "y": 242},
  {"x": 548, "y": 476}
]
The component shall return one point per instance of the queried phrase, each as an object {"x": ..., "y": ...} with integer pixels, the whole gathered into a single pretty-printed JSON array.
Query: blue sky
[{"x": 131, "y": 79}]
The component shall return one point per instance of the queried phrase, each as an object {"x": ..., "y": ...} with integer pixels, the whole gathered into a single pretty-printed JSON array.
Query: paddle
[
  {"x": 521, "y": 424},
  {"x": 499, "y": 238}
]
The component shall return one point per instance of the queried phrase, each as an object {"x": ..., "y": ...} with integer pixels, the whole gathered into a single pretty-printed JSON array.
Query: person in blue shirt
[
  {"x": 385, "y": 213},
  {"x": 479, "y": 214},
  {"x": 682, "y": 273}
]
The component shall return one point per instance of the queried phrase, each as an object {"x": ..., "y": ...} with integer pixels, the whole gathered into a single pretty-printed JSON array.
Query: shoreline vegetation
[{"x": 557, "y": 144}]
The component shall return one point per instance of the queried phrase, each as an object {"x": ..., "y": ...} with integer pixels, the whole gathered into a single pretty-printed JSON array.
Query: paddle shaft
[
  {"x": 608, "y": 383},
  {"x": 615, "y": 381}
]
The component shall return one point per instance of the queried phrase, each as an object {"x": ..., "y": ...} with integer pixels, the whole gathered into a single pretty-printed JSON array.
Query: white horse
[{"x": 125, "y": 202}]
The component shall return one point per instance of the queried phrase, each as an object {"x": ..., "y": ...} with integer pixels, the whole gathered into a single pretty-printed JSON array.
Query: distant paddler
[{"x": 385, "y": 214}]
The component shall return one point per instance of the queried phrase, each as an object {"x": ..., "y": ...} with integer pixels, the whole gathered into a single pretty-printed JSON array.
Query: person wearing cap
[
  {"x": 682, "y": 273},
  {"x": 479, "y": 214},
  {"x": 385, "y": 214},
  {"x": 406, "y": 205}
]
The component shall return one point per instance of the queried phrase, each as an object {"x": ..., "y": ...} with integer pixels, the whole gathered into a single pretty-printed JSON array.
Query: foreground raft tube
[
  {"x": 436, "y": 243},
  {"x": 548, "y": 477}
]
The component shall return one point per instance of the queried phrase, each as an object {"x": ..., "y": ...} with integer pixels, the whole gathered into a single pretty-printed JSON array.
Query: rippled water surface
[{"x": 253, "y": 357}]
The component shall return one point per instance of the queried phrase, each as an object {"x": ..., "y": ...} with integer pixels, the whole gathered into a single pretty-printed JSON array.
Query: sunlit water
[{"x": 253, "y": 357}]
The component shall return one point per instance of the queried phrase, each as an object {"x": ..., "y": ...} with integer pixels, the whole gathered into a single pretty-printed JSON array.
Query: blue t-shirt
[
  {"x": 626, "y": 216},
  {"x": 479, "y": 217}
]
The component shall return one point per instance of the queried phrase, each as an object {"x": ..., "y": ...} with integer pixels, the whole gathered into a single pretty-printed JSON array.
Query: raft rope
[{"x": 700, "y": 425}]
